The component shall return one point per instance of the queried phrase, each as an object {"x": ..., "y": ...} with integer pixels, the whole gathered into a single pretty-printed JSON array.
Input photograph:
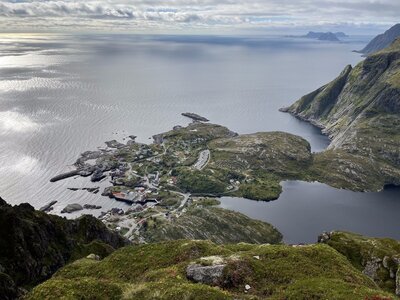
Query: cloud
[{"x": 148, "y": 14}]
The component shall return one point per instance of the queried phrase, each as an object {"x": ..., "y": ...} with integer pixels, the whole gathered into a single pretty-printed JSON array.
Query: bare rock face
[
  {"x": 371, "y": 268},
  {"x": 210, "y": 275},
  {"x": 398, "y": 282}
]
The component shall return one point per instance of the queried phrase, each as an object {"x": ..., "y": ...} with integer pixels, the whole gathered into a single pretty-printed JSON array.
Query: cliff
[
  {"x": 360, "y": 111},
  {"x": 383, "y": 40},
  {"x": 34, "y": 245}
]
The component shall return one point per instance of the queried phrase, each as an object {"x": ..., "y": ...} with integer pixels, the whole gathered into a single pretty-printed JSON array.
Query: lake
[{"x": 61, "y": 95}]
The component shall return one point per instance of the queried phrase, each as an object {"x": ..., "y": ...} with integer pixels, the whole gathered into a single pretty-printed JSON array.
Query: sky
[{"x": 198, "y": 16}]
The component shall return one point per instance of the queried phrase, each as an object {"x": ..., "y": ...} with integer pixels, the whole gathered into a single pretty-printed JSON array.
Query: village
[{"x": 146, "y": 176}]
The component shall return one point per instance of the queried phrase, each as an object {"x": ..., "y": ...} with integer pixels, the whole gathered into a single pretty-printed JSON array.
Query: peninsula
[{"x": 360, "y": 111}]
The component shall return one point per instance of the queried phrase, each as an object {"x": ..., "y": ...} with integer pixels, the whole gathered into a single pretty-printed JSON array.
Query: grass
[
  {"x": 157, "y": 271},
  {"x": 360, "y": 250}
]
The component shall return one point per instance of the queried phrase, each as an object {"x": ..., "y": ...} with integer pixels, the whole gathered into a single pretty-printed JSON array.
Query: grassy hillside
[
  {"x": 377, "y": 258},
  {"x": 203, "y": 270},
  {"x": 202, "y": 220}
]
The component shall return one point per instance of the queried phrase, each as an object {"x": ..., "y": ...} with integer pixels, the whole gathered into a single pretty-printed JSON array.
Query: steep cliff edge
[
  {"x": 382, "y": 41},
  {"x": 34, "y": 245},
  {"x": 360, "y": 111}
]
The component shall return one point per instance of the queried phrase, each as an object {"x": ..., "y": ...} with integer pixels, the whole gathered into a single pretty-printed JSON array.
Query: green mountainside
[
  {"x": 360, "y": 111},
  {"x": 203, "y": 220},
  {"x": 34, "y": 245}
]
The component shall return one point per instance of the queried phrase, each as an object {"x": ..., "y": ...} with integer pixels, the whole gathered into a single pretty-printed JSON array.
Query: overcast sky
[{"x": 152, "y": 16}]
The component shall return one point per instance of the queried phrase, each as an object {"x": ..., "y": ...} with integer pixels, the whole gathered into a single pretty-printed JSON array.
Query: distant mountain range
[
  {"x": 382, "y": 41},
  {"x": 324, "y": 36}
]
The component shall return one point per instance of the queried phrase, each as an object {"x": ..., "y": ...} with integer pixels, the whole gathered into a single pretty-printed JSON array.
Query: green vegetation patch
[
  {"x": 158, "y": 271},
  {"x": 203, "y": 221},
  {"x": 379, "y": 257}
]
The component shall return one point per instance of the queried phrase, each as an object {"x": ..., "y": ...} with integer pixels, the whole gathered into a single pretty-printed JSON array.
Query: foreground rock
[
  {"x": 34, "y": 245},
  {"x": 210, "y": 275}
]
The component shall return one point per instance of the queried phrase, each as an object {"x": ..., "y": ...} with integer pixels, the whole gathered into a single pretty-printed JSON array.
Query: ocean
[{"x": 61, "y": 95}]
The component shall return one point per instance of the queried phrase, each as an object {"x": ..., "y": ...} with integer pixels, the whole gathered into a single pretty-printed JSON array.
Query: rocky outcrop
[
  {"x": 382, "y": 41},
  {"x": 379, "y": 259},
  {"x": 70, "y": 208},
  {"x": 33, "y": 245}
]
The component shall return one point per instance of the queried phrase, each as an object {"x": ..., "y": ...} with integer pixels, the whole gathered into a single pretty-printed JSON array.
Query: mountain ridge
[
  {"x": 360, "y": 112},
  {"x": 382, "y": 41}
]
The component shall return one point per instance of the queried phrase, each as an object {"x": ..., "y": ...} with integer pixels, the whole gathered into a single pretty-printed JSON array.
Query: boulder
[
  {"x": 93, "y": 257},
  {"x": 211, "y": 275},
  {"x": 70, "y": 208}
]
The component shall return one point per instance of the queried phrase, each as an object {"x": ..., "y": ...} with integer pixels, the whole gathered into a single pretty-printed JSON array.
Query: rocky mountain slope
[
  {"x": 383, "y": 40},
  {"x": 203, "y": 220},
  {"x": 34, "y": 245},
  {"x": 360, "y": 111},
  {"x": 203, "y": 270}
]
